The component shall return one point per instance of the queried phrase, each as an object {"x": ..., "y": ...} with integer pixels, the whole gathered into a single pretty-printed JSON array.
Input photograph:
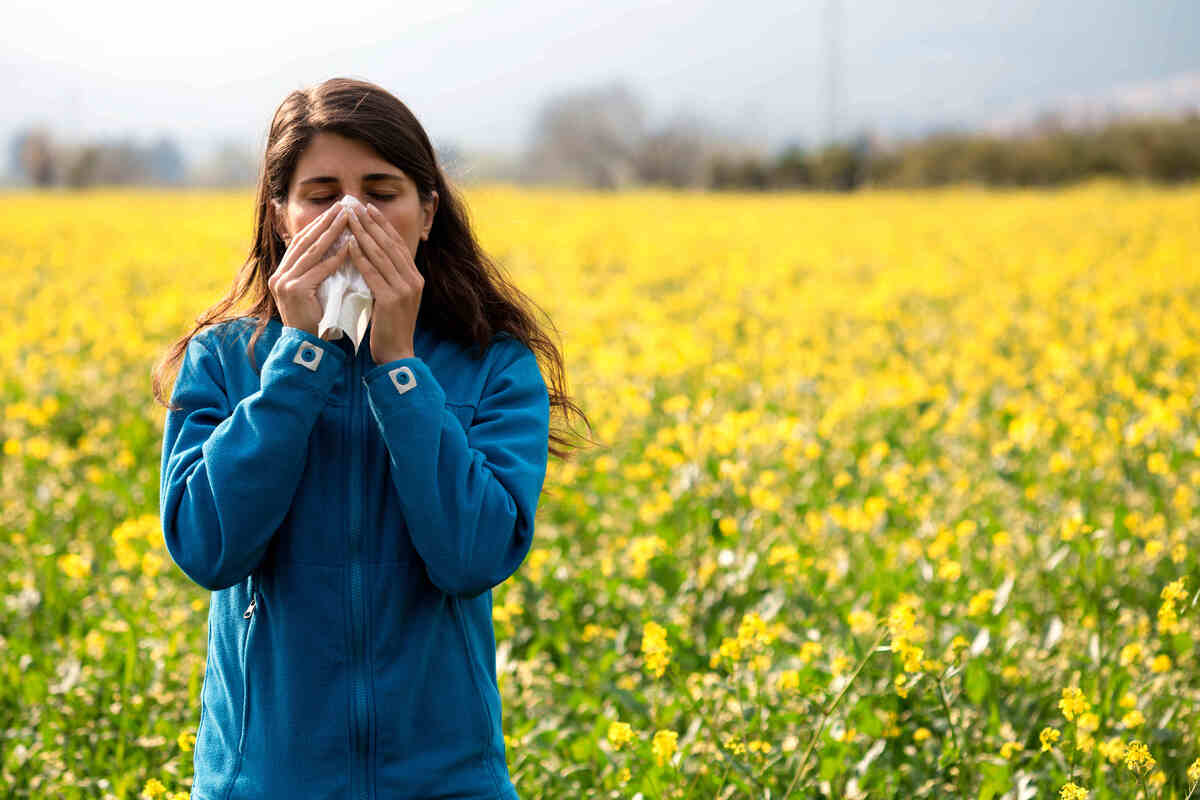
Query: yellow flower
[
  {"x": 861, "y": 621},
  {"x": 619, "y": 734},
  {"x": 153, "y": 788},
  {"x": 1113, "y": 749},
  {"x": 1138, "y": 758},
  {"x": 1128, "y": 700},
  {"x": 1072, "y": 792},
  {"x": 921, "y": 734},
  {"x": 186, "y": 740},
  {"x": 949, "y": 570},
  {"x": 1161, "y": 663},
  {"x": 623, "y": 775},
  {"x": 1048, "y": 737},
  {"x": 152, "y": 564},
  {"x": 789, "y": 679},
  {"x": 1132, "y": 718},
  {"x": 641, "y": 550},
  {"x": 74, "y": 565},
  {"x": 810, "y": 650},
  {"x": 1009, "y": 749},
  {"x": 729, "y": 649},
  {"x": 1193, "y": 771},
  {"x": 981, "y": 602},
  {"x": 752, "y": 632},
  {"x": 656, "y": 651},
  {"x": 663, "y": 746},
  {"x": 840, "y": 665},
  {"x": 1130, "y": 653},
  {"x": 1073, "y": 702},
  {"x": 1088, "y": 721},
  {"x": 901, "y": 620},
  {"x": 1168, "y": 619}
]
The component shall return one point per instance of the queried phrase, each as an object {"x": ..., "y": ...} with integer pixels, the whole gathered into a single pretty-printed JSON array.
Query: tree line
[{"x": 1161, "y": 150}]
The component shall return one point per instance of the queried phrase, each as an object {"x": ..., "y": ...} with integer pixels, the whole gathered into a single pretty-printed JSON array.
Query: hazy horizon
[{"x": 476, "y": 74}]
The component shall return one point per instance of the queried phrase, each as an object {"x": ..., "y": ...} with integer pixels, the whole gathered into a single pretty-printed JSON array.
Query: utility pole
[{"x": 833, "y": 64}]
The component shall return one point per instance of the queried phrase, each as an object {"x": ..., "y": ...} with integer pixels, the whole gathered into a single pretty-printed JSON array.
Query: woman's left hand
[{"x": 383, "y": 259}]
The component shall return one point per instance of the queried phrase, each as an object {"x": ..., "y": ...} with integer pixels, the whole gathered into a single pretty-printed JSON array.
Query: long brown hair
[{"x": 465, "y": 298}]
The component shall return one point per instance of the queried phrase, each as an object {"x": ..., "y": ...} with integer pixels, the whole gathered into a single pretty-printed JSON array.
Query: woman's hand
[
  {"x": 382, "y": 257},
  {"x": 294, "y": 283}
]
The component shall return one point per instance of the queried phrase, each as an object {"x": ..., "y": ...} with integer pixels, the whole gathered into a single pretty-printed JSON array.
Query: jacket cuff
[
  {"x": 404, "y": 386},
  {"x": 304, "y": 361}
]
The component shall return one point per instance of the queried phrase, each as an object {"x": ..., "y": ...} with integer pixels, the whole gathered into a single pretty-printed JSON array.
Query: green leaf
[{"x": 976, "y": 681}]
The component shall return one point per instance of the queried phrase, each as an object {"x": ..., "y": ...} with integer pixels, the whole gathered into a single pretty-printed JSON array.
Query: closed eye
[{"x": 376, "y": 195}]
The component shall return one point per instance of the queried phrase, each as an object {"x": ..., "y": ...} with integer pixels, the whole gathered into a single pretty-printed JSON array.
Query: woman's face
[{"x": 334, "y": 165}]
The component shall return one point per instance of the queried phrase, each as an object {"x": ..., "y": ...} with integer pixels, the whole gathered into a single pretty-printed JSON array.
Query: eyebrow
[{"x": 372, "y": 176}]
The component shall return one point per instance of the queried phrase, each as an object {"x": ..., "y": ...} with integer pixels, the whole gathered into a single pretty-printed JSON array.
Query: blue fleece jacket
[{"x": 350, "y": 519}]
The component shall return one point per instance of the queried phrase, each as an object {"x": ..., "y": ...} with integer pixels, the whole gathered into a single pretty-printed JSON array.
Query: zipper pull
[{"x": 253, "y": 599}]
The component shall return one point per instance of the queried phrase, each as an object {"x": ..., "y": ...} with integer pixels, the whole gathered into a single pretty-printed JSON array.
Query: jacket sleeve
[
  {"x": 468, "y": 497},
  {"x": 229, "y": 473}
]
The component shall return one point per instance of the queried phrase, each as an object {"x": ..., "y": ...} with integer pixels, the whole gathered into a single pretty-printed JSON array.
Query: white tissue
[{"x": 345, "y": 297}]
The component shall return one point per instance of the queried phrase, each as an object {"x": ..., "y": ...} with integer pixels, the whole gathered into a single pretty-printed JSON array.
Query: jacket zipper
[
  {"x": 358, "y": 655},
  {"x": 247, "y": 614}
]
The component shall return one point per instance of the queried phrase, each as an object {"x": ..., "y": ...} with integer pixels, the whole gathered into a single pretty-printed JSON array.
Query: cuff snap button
[
  {"x": 309, "y": 355},
  {"x": 403, "y": 379}
]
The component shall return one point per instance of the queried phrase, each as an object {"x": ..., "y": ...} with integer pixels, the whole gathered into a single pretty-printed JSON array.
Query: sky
[{"x": 476, "y": 73}]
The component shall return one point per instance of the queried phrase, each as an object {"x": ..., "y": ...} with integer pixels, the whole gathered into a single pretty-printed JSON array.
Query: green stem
[
  {"x": 737, "y": 685},
  {"x": 1074, "y": 749},
  {"x": 654, "y": 784},
  {"x": 958, "y": 745},
  {"x": 730, "y": 759},
  {"x": 803, "y": 767}
]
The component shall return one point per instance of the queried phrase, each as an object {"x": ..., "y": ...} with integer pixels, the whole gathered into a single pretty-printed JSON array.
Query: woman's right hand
[{"x": 294, "y": 283}]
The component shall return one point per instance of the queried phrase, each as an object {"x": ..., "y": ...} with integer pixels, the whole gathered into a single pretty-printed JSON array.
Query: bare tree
[
  {"x": 677, "y": 154},
  {"x": 590, "y": 136},
  {"x": 33, "y": 155}
]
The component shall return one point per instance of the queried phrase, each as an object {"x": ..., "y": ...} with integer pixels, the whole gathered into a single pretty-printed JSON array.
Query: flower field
[{"x": 896, "y": 494}]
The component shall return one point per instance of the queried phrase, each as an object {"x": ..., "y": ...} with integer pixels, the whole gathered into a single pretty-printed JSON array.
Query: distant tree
[
  {"x": 590, "y": 136},
  {"x": 32, "y": 156},
  {"x": 166, "y": 162},
  {"x": 676, "y": 153},
  {"x": 794, "y": 168},
  {"x": 233, "y": 164}
]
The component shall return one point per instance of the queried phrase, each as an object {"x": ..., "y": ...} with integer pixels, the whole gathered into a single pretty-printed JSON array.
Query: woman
[{"x": 351, "y": 507}]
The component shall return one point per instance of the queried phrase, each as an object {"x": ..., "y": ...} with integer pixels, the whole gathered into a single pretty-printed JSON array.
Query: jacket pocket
[
  {"x": 483, "y": 716},
  {"x": 250, "y": 616},
  {"x": 208, "y": 657}
]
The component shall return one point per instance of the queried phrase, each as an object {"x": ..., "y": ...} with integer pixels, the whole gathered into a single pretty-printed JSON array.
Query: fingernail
[{"x": 372, "y": 207}]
